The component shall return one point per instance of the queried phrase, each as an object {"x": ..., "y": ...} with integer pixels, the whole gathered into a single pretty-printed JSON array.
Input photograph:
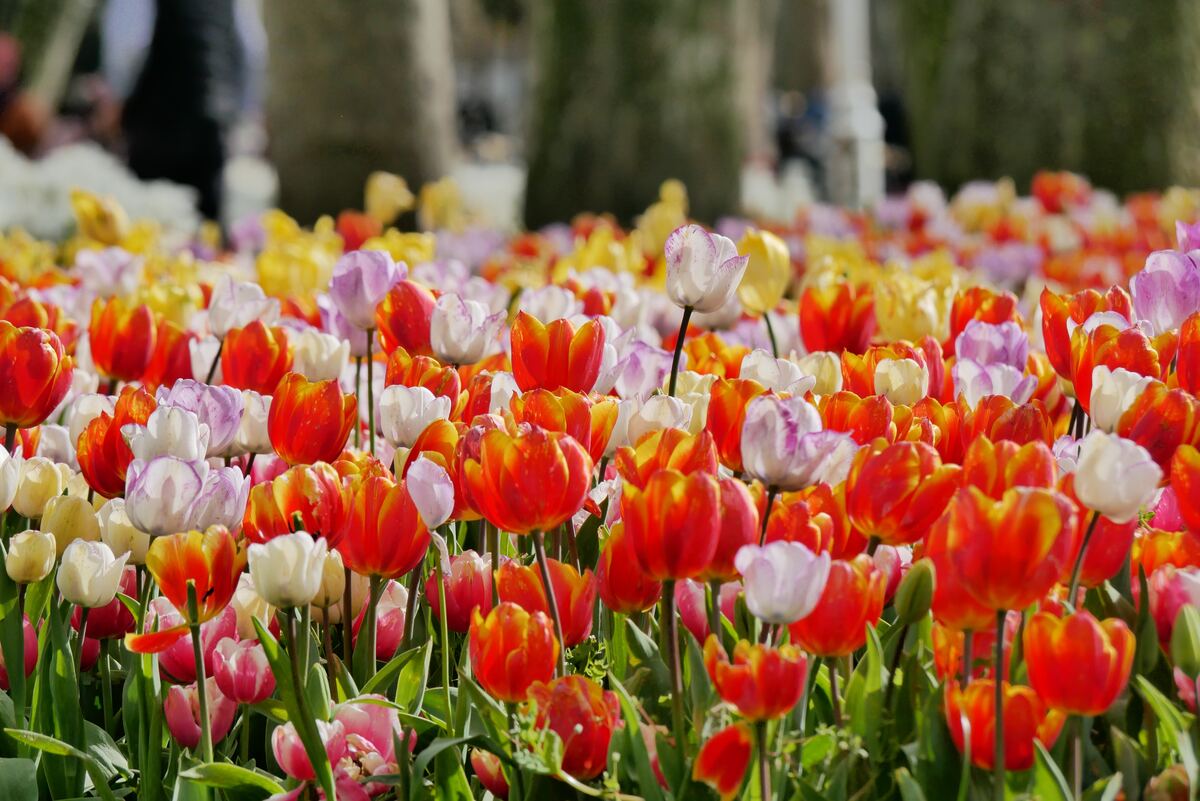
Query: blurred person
[{"x": 23, "y": 118}]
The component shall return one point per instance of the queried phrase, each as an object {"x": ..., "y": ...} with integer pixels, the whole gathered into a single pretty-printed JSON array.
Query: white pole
[{"x": 854, "y": 162}]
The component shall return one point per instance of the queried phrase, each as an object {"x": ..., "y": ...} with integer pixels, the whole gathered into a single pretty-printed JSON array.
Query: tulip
[
  {"x": 384, "y": 535},
  {"x": 236, "y": 304},
  {"x": 724, "y": 759},
  {"x": 103, "y": 451},
  {"x": 1185, "y": 483},
  {"x": 624, "y": 587},
  {"x": 169, "y": 431},
  {"x": 30, "y": 558},
  {"x": 895, "y": 493},
  {"x": 288, "y": 569},
  {"x": 424, "y": 371},
  {"x": 729, "y": 399},
  {"x": 783, "y": 581},
  {"x": 242, "y": 671},
  {"x": 461, "y": 331},
  {"x": 1112, "y": 346},
  {"x": 1025, "y": 719},
  {"x": 29, "y": 651},
  {"x": 488, "y": 770},
  {"x": 309, "y": 422},
  {"x": 656, "y": 413},
  {"x": 639, "y": 369},
  {"x": 826, "y": 368},
  {"x": 667, "y": 448},
  {"x": 160, "y": 493},
  {"x": 784, "y": 447},
  {"x": 1166, "y": 290},
  {"x": 333, "y": 584},
  {"x": 360, "y": 281},
  {"x": 178, "y": 661},
  {"x": 703, "y": 269},
  {"x": 318, "y": 356},
  {"x": 1171, "y": 589},
  {"x": 993, "y": 343},
  {"x": 673, "y": 523},
  {"x": 574, "y": 595},
  {"x": 289, "y": 749},
  {"x": 588, "y": 422},
  {"x": 389, "y": 616},
  {"x": 248, "y": 606},
  {"x": 181, "y": 711},
  {"x": 1113, "y": 393},
  {"x": 40, "y": 481},
  {"x": 902, "y": 381},
  {"x": 1099, "y": 656},
  {"x": 583, "y": 715},
  {"x": 372, "y": 732},
  {"x": 998, "y": 466},
  {"x": 467, "y": 588},
  {"x": 10, "y": 477},
  {"x": 1187, "y": 366},
  {"x": 252, "y": 435},
  {"x": 86, "y": 408},
  {"x": 221, "y": 500},
  {"x": 556, "y": 355},
  {"x": 122, "y": 338},
  {"x": 1161, "y": 420},
  {"x": 304, "y": 497},
  {"x": 255, "y": 357},
  {"x": 852, "y": 600},
  {"x": 114, "y": 619},
  {"x": 90, "y": 575},
  {"x": 403, "y": 318},
  {"x": 35, "y": 372},
  {"x": 767, "y": 272},
  {"x": 761, "y": 682},
  {"x": 777, "y": 375},
  {"x": 973, "y": 382},
  {"x": 511, "y": 649},
  {"x": 1115, "y": 477},
  {"x": 68, "y": 519},
  {"x": 404, "y": 412},
  {"x": 739, "y": 527},
  {"x": 692, "y": 602}
]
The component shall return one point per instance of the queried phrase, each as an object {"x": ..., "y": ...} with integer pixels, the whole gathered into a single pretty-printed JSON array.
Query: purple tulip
[
  {"x": 989, "y": 343},
  {"x": 641, "y": 370},
  {"x": 360, "y": 280},
  {"x": 1188, "y": 236},
  {"x": 334, "y": 322},
  {"x": 975, "y": 381},
  {"x": 221, "y": 500},
  {"x": 160, "y": 493},
  {"x": 220, "y": 408},
  {"x": 1166, "y": 290},
  {"x": 784, "y": 447}
]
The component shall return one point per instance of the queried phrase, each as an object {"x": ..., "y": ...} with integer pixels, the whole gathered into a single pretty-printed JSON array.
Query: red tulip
[
  {"x": 556, "y": 355},
  {"x": 511, "y": 649},
  {"x": 468, "y": 587},
  {"x": 852, "y": 600},
  {"x": 102, "y": 451},
  {"x": 1078, "y": 664},
  {"x": 1185, "y": 480},
  {"x": 624, "y": 587},
  {"x": 255, "y": 357},
  {"x": 666, "y": 448},
  {"x": 589, "y": 422},
  {"x": 122, "y": 338},
  {"x": 894, "y": 493},
  {"x": 385, "y": 535},
  {"x": 728, "y": 399},
  {"x": 574, "y": 594},
  {"x": 583, "y": 715},
  {"x": 762, "y": 683},
  {"x": 837, "y": 315},
  {"x": 403, "y": 318},
  {"x": 310, "y": 421},
  {"x": 35, "y": 375},
  {"x": 1026, "y": 719},
  {"x": 674, "y": 523},
  {"x": 723, "y": 760},
  {"x": 304, "y": 498}
]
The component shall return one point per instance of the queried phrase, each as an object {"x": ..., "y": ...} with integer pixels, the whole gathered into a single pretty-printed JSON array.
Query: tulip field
[{"x": 893, "y": 504}]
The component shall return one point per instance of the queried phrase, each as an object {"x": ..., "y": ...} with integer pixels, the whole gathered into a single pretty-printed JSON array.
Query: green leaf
[
  {"x": 1146, "y": 650},
  {"x": 645, "y": 651},
  {"x": 227, "y": 776},
  {"x": 107, "y": 754},
  {"x": 382, "y": 681},
  {"x": 430, "y": 753},
  {"x": 635, "y": 746},
  {"x": 18, "y": 780},
  {"x": 414, "y": 672},
  {"x": 1130, "y": 761},
  {"x": 864, "y": 697},
  {"x": 1048, "y": 780},
  {"x": 56, "y": 747},
  {"x": 450, "y": 780},
  {"x": 909, "y": 789}
]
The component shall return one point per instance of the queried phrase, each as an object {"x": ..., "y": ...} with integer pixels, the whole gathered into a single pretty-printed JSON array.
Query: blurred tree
[
  {"x": 355, "y": 87},
  {"x": 628, "y": 93},
  {"x": 1006, "y": 87}
]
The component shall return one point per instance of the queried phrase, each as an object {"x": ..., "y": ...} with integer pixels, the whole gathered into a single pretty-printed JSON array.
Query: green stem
[
  {"x": 348, "y": 622},
  {"x": 212, "y": 368},
  {"x": 206, "y": 746},
  {"x": 539, "y": 549},
  {"x": 307, "y": 721},
  {"x": 367, "y": 632},
  {"x": 762, "y": 534},
  {"x": 327, "y": 648},
  {"x": 83, "y": 621},
  {"x": 1073, "y": 591},
  {"x": 683, "y": 325},
  {"x": 493, "y": 535},
  {"x": 764, "y": 769},
  {"x": 106, "y": 684},
  {"x": 371, "y": 389},
  {"x": 445, "y": 634},
  {"x": 16, "y": 678},
  {"x": 998, "y": 755},
  {"x": 410, "y": 609},
  {"x": 714, "y": 608},
  {"x": 670, "y": 627},
  {"x": 771, "y": 334},
  {"x": 834, "y": 695},
  {"x": 358, "y": 425}
]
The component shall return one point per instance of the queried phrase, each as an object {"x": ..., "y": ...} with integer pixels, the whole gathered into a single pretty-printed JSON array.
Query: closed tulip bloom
[
  {"x": 41, "y": 480},
  {"x": 385, "y": 535},
  {"x": 974, "y": 381},
  {"x": 319, "y": 356},
  {"x": 510, "y": 649},
  {"x": 668, "y": 447},
  {"x": 725, "y": 421},
  {"x": 740, "y": 526},
  {"x": 242, "y": 671},
  {"x": 122, "y": 338},
  {"x": 1026, "y": 719},
  {"x": 360, "y": 280},
  {"x": 998, "y": 466},
  {"x": 30, "y": 557},
  {"x": 1166, "y": 290},
  {"x": 826, "y": 368},
  {"x": 852, "y": 600},
  {"x": 590, "y": 422},
  {"x": 10, "y": 477},
  {"x": 1010, "y": 552},
  {"x": 783, "y": 581},
  {"x": 289, "y": 751},
  {"x": 784, "y": 447},
  {"x": 403, "y": 318},
  {"x": 894, "y": 493},
  {"x": 390, "y": 614},
  {"x": 490, "y": 772},
  {"x": 119, "y": 534},
  {"x": 761, "y": 682},
  {"x": 288, "y": 569},
  {"x": 35, "y": 375},
  {"x": 103, "y": 451},
  {"x": 556, "y": 355},
  {"x": 1113, "y": 393},
  {"x": 902, "y": 381},
  {"x": 255, "y": 357},
  {"x": 624, "y": 587},
  {"x": 253, "y": 435},
  {"x": 724, "y": 759},
  {"x": 305, "y": 497},
  {"x": 69, "y": 518},
  {"x": 160, "y": 493},
  {"x": 1171, "y": 589},
  {"x": 169, "y": 431},
  {"x": 1115, "y": 476},
  {"x": 777, "y": 375},
  {"x": 221, "y": 500},
  {"x": 655, "y": 413},
  {"x": 768, "y": 271},
  {"x": 468, "y": 587},
  {"x": 404, "y": 412},
  {"x": 674, "y": 523},
  {"x": 235, "y": 304},
  {"x": 181, "y": 711},
  {"x": 703, "y": 269},
  {"x": 1078, "y": 664},
  {"x": 462, "y": 331},
  {"x": 219, "y": 408},
  {"x": 90, "y": 575},
  {"x": 583, "y": 715},
  {"x": 310, "y": 421},
  {"x": 993, "y": 343},
  {"x": 333, "y": 583},
  {"x": 248, "y": 606},
  {"x": 1185, "y": 480},
  {"x": 574, "y": 594}
]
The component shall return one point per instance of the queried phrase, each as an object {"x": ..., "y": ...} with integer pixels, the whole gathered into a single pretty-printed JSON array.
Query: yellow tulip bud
[
  {"x": 768, "y": 273},
  {"x": 31, "y": 556},
  {"x": 902, "y": 381},
  {"x": 826, "y": 367},
  {"x": 41, "y": 480},
  {"x": 70, "y": 518}
]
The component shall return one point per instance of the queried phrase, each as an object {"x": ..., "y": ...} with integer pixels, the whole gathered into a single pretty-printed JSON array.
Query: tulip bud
[
  {"x": 319, "y": 356},
  {"x": 783, "y": 580},
  {"x": 432, "y": 491},
  {"x": 242, "y": 671},
  {"x": 252, "y": 435},
  {"x": 249, "y": 606},
  {"x": 1185, "y": 641},
  {"x": 902, "y": 381},
  {"x": 70, "y": 518},
  {"x": 181, "y": 712},
  {"x": 703, "y": 269},
  {"x": 10, "y": 478},
  {"x": 1113, "y": 392},
  {"x": 1115, "y": 476},
  {"x": 767, "y": 273},
  {"x": 121, "y": 535},
  {"x": 826, "y": 367},
  {"x": 90, "y": 575},
  {"x": 288, "y": 570},
  {"x": 914, "y": 596},
  {"x": 30, "y": 556},
  {"x": 40, "y": 481},
  {"x": 404, "y": 412},
  {"x": 333, "y": 581}
]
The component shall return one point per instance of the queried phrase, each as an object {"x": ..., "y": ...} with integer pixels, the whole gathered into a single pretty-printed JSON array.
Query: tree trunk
[
  {"x": 357, "y": 86},
  {"x": 627, "y": 94}
]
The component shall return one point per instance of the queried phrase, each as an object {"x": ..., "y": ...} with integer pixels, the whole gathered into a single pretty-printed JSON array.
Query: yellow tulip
[
  {"x": 387, "y": 196},
  {"x": 767, "y": 273},
  {"x": 410, "y": 248},
  {"x": 439, "y": 205}
]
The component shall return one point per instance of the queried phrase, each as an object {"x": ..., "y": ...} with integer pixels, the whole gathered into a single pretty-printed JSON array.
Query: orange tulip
[
  {"x": 674, "y": 523},
  {"x": 1161, "y": 420},
  {"x": 894, "y": 493},
  {"x": 828, "y": 503},
  {"x": 1108, "y": 547},
  {"x": 1010, "y": 552},
  {"x": 864, "y": 419},
  {"x": 792, "y": 520},
  {"x": 303, "y": 498},
  {"x": 402, "y": 318},
  {"x": 728, "y": 399},
  {"x": 998, "y": 466},
  {"x": 953, "y": 605},
  {"x": 723, "y": 760},
  {"x": 1077, "y": 664},
  {"x": 122, "y": 338},
  {"x": 761, "y": 682},
  {"x": 1057, "y": 309},
  {"x": 998, "y": 418},
  {"x": 511, "y": 649},
  {"x": 949, "y": 648},
  {"x": 739, "y": 526},
  {"x": 624, "y": 587},
  {"x": 708, "y": 354},
  {"x": 1109, "y": 346},
  {"x": 583, "y": 715},
  {"x": 310, "y": 421},
  {"x": 1026, "y": 719},
  {"x": 404, "y": 369},
  {"x": 255, "y": 357},
  {"x": 983, "y": 304},
  {"x": 385, "y": 535},
  {"x": 837, "y": 317},
  {"x": 589, "y": 422},
  {"x": 103, "y": 454},
  {"x": 172, "y": 359},
  {"x": 556, "y": 355},
  {"x": 35, "y": 375},
  {"x": 1185, "y": 478},
  {"x": 209, "y": 560},
  {"x": 27, "y": 312},
  {"x": 858, "y": 371},
  {"x": 1155, "y": 549},
  {"x": 530, "y": 480},
  {"x": 852, "y": 600},
  {"x": 574, "y": 594},
  {"x": 666, "y": 448},
  {"x": 1187, "y": 366}
]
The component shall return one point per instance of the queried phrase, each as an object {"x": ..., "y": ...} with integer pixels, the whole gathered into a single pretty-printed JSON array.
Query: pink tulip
[
  {"x": 113, "y": 620},
  {"x": 289, "y": 750},
  {"x": 389, "y": 623},
  {"x": 1171, "y": 589},
  {"x": 487, "y": 769},
  {"x": 242, "y": 670},
  {"x": 693, "y": 611},
  {"x": 371, "y": 730},
  {"x": 178, "y": 662},
  {"x": 30, "y": 653},
  {"x": 182, "y": 713},
  {"x": 468, "y": 588},
  {"x": 1166, "y": 512}
]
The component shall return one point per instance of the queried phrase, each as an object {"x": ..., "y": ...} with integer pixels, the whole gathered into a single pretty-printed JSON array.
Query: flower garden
[{"x": 898, "y": 504}]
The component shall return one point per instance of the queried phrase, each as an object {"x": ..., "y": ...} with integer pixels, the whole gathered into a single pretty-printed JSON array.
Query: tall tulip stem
[
  {"x": 670, "y": 627},
  {"x": 357, "y": 383},
  {"x": 493, "y": 545},
  {"x": 1077, "y": 757},
  {"x": 766, "y": 518},
  {"x": 83, "y": 621},
  {"x": 539, "y": 549},
  {"x": 714, "y": 609},
  {"x": 347, "y": 623},
  {"x": 212, "y": 368},
  {"x": 764, "y": 768},
  {"x": 10, "y": 436},
  {"x": 444, "y": 631},
  {"x": 771, "y": 334},
  {"x": 368, "y": 626},
  {"x": 998, "y": 769},
  {"x": 683, "y": 326},
  {"x": 1075, "y": 571},
  {"x": 968, "y": 656},
  {"x": 371, "y": 390},
  {"x": 193, "y": 604}
]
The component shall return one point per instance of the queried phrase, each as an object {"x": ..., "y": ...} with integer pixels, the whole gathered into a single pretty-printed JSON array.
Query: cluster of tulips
[{"x": 892, "y": 505}]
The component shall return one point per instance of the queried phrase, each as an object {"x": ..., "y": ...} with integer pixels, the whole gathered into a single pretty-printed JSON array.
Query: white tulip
[
  {"x": 86, "y": 409},
  {"x": 658, "y": 412},
  {"x": 432, "y": 491},
  {"x": 404, "y": 412},
  {"x": 901, "y": 381},
  {"x": 169, "y": 431},
  {"x": 288, "y": 570},
  {"x": 462, "y": 331},
  {"x": 783, "y": 581},
  {"x": 119, "y": 534},
  {"x": 90, "y": 575},
  {"x": 779, "y": 375},
  {"x": 252, "y": 435},
  {"x": 826, "y": 367},
  {"x": 31, "y": 556},
  {"x": 1115, "y": 477},
  {"x": 236, "y": 304},
  {"x": 703, "y": 269},
  {"x": 319, "y": 356},
  {"x": 10, "y": 477},
  {"x": 1113, "y": 392}
]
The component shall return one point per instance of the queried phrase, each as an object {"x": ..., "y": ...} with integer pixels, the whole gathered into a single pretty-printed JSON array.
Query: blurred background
[{"x": 540, "y": 109}]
